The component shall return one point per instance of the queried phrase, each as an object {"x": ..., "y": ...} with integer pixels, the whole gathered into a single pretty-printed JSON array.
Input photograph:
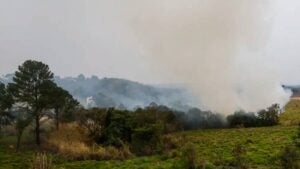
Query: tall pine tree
[{"x": 30, "y": 83}]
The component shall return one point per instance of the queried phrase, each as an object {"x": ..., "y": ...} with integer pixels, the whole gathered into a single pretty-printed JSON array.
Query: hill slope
[
  {"x": 114, "y": 92},
  {"x": 291, "y": 114}
]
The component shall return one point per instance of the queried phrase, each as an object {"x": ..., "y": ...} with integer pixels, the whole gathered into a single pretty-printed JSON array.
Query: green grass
[
  {"x": 214, "y": 146},
  {"x": 154, "y": 162},
  {"x": 263, "y": 145},
  {"x": 291, "y": 115}
]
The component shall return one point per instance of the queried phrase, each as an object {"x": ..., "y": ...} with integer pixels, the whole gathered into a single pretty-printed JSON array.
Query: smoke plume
[{"x": 215, "y": 47}]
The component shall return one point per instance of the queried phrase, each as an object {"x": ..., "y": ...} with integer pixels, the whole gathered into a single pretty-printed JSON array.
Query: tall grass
[
  {"x": 42, "y": 161},
  {"x": 71, "y": 142}
]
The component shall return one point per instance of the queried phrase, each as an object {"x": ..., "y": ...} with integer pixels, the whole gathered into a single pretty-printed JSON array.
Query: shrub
[
  {"x": 290, "y": 158},
  {"x": 70, "y": 142},
  {"x": 155, "y": 114},
  {"x": 269, "y": 117},
  {"x": 189, "y": 156},
  {"x": 147, "y": 140},
  {"x": 93, "y": 121},
  {"x": 243, "y": 119},
  {"x": 171, "y": 142},
  {"x": 107, "y": 126}
]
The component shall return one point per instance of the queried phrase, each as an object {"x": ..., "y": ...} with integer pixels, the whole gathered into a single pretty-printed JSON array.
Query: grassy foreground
[{"x": 213, "y": 147}]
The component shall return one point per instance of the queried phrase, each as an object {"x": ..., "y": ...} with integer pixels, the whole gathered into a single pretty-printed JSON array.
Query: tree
[
  {"x": 243, "y": 119},
  {"x": 6, "y": 103},
  {"x": 270, "y": 117},
  {"x": 29, "y": 89},
  {"x": 61, "y": 101},
  {"x": 21, "y": 122}
]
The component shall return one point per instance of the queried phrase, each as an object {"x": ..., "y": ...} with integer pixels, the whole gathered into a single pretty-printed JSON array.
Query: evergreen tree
[
  {"x": 6, "y": 103},
  {"x": 29, "y": 89}
]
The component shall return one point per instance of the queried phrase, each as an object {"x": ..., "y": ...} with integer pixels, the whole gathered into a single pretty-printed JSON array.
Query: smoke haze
[
  {"x": 205, "y": 43},
  {"x": 231, "y": 53}
]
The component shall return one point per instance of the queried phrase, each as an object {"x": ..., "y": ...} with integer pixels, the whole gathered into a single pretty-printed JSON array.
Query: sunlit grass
[{"x": 291, "y": 115}]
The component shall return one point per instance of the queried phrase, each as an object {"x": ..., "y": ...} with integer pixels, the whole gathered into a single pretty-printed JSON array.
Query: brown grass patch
[{"x": 72, "y": 143}]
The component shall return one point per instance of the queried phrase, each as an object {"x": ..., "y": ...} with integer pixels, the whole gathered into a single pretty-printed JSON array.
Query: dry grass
[
  {"x": 42, "y": 161},
  {"x": 71, "y": 142}
]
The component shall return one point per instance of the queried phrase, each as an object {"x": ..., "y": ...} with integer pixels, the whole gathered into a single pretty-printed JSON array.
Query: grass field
[{"x": 213, "y": 146}]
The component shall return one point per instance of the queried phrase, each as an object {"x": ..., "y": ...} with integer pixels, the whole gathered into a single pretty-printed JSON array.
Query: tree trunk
[
  {"x": 57, "y": 118},
  {"x": 37, "y": 130},
  {"x": 19, "y": 136}
]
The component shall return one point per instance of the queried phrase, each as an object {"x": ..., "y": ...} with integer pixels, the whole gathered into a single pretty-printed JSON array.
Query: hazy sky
[{"x": 94, "y": 37}]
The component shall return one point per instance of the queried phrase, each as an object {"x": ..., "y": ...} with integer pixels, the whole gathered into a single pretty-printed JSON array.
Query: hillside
[
  {"x": 114, "y": 92},
  {"x": 291, "y": 114}
]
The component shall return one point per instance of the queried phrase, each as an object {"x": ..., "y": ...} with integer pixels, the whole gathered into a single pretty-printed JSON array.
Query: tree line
[{"x": 33, "y": 96}]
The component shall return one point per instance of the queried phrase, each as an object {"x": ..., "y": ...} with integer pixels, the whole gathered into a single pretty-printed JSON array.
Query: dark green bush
[
  {"x": 147, "y": 140},
  {"x": 290, "y": 158}
]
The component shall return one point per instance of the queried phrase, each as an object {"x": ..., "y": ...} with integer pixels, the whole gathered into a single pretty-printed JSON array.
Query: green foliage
[
  {"x": 29, "y": 84},
  {"x": 243, "y": 119},
  {"x": 118, "y": 128},
  {"x": 121, "y": 127},
  {"x": 147, "y": 140},
  {"x": 214, "y": 147},
  {"x": 297, "y": 138},
  {"x": 265, "y": 117},
  {"x": 290, "y": 158},
  {"x": 94, "y": 121},
  {"x": 21, "y": 123},
  {"x": 33, "y": 90},
  {"x": 291, "y": 114},
  {"x": 270, "y": 117},
  {"x": 107, "y": 126},
  {"x": 62, "y": 102},
  {"x": 30, "y": 90},
  {"x": 156, "y": 114},
  {"x": 189, "y": 156},
  {"x": 6, "y": 100},
  {"x": 5, "y": 104}
]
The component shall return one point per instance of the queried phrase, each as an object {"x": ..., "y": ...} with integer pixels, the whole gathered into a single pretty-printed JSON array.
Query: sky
[{"x": 95, "y": 37}]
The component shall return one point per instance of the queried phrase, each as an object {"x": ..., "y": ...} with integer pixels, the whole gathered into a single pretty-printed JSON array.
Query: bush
[
  {"x": 269, "y": 117},
  {"x": 156, "y": 114},
  {"x": 290, "y": 158},
  {"x": 93, "y": 121},
  {"x": 242, "y": 119},
  {"x": 196, "y": 119},
  {"x": 147, "y": 140},
  {"x": 107, "y": 126},
  {"x": 71, "y": 143},
  {"x": 189, "y": 156}
]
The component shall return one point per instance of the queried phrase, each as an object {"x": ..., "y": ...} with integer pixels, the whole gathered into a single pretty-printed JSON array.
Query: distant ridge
[{"x": 121, "y": 93}]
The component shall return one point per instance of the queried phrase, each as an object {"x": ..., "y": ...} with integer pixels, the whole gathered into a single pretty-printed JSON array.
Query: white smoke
[{"x": 215, "y": 47}]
